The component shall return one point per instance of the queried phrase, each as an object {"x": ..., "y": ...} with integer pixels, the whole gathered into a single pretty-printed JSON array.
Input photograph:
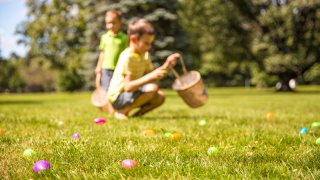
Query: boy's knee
[
  {"x": 161, "y": 98},
  {"x": 152, "y": 87}
]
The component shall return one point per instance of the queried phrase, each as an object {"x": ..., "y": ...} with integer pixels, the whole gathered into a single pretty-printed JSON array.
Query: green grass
[{"x": 250, "y": 145}]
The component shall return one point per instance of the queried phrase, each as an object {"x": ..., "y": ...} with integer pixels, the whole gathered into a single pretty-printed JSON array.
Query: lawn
[{"x": 250, "y": 145}]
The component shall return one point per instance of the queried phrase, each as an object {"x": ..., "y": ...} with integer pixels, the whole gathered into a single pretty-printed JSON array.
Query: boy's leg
[
  {"x": 106, "y": 76},
  {"x": 150, "y": 91},
  {"x": 107, "y": 108},
  {"x": 155, "y": 102}
]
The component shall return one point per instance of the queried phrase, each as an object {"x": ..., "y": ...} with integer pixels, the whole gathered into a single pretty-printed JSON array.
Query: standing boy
[
  {"x": 132, "y": 85},
  {"x": 112, "y": 43}
]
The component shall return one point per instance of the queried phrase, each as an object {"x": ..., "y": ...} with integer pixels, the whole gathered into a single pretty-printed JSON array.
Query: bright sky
[{"x": 12, "y": 12}]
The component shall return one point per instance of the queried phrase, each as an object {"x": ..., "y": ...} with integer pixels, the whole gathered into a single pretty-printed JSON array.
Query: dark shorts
[
  {"x": 106, "y": 76},
  {"x": 127, "y": 98}
]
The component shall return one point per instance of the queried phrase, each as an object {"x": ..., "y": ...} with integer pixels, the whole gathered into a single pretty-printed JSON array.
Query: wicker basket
[
  {"x": 99, "y": 97},
  {"x": 190, "y": 87}
]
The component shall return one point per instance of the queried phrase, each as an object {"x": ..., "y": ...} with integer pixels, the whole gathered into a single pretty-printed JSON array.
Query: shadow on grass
[
  {"x": 179, "y": 117},
  {"x": 15, "y": 102}
]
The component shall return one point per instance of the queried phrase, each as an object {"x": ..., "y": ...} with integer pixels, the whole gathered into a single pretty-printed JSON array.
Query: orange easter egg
[
  {"x": 270, "y": 115},
  {"x": 175, "y": 136}
]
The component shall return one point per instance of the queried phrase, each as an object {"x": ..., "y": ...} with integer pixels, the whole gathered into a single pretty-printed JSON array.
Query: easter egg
[
  {"x": 41, "y": 165},
  {"x": 76, "y": 136},
  {"x": 1, "y": 131},
  {"x": 129, "y": 164},
  {"x": 60, "y": 123},
  {"x": 99, "y": 121},
  {"x": 249, "y": 154},
  {"x": 175, "y": 136},
  {"x": 315, "y": 125},
  {"x": 303, "y": 130},
  {"x": 202, "y": 122},
  {"x": 164, "y": 71},
  {"x": 318, "y": 141},
  {"x": 270, "y": 115},
  {"x": 168, "y": 134},
  {"x": 29, "y": 153},
  {"x": 213, "y": 151},
  {"x": 148, "y": 132}
]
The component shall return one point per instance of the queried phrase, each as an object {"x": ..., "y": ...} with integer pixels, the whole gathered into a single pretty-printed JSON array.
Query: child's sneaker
[{"x": 120, "y": 116}]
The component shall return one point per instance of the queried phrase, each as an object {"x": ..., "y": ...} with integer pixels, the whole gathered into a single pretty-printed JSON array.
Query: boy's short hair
[
  {"x": 115, "y": 12},
  {"x": 140, "y": 27}
]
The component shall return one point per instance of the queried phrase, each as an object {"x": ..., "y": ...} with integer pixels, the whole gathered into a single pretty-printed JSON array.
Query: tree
[
  {"x": 290, "y": 38},
  {"x": 10, "y": 79},
  {"x": 219, "y": 31},
  {"x": 280, "y": 37},
  {"x": 54, "y": 32}
]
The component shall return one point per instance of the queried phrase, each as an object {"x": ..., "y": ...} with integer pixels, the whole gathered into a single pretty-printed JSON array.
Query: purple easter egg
[
  {"x": 76, "y": 136},
  {"x": 41, "y": 165},
  {"x": 99, "y": 121}
]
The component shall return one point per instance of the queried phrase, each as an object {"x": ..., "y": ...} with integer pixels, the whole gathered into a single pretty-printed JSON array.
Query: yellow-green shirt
[
  {"x": 129, "y": 63},
  {"x": 112, "y": 45}
]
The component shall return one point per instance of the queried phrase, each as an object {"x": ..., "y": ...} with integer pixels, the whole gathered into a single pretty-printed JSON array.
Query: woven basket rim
[
  {"x": 95, "y": 93},
  {"x": 198, "y": 78}
]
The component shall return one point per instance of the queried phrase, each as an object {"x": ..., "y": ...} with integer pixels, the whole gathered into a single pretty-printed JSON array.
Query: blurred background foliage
[{"x": 252, "y": 43}]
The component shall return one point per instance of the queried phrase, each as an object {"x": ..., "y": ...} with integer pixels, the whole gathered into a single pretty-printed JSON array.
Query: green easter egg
[
  {"x": 168, "y": 134},
  {"x": 318, "y": 141},
  {"x": 213, "y": 151},
  {"x": 315, "y": 124},
  {"x": 29, "y": 153},
  {"x": 202, "y": 122}
]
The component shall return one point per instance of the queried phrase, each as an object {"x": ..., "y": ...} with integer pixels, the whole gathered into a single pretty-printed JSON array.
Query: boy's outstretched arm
[
  {"x": 131, "y": 85},
  {"x": 99, "y": 63}
]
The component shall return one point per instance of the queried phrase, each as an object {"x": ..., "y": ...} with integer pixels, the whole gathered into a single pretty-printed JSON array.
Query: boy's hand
[
  {"x": 158, "y": 74},
  {"x": 172, "y": 60}
]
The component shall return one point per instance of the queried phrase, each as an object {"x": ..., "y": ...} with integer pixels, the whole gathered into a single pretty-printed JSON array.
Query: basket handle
[{"x": 184, "y": 69}]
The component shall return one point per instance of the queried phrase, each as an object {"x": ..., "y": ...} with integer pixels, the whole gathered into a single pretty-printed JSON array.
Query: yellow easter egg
[{"x": 148, "y": 132}]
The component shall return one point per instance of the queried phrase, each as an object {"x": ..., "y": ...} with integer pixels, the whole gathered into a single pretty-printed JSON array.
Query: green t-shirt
[{"x": 112, "y": 45}]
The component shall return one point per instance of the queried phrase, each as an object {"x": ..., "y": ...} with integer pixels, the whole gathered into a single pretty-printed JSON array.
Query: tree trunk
[{"x": 283, "y": 85}]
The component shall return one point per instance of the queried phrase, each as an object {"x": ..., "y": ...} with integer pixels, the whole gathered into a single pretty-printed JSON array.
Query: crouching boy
[{"x": 132, "y": 85}]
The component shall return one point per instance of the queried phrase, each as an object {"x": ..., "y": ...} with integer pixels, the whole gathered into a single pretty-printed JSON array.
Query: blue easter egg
[{"x": 303, "y": 130}]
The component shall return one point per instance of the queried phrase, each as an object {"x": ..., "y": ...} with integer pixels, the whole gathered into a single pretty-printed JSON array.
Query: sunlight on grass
[{"x": 250, "y": 145}]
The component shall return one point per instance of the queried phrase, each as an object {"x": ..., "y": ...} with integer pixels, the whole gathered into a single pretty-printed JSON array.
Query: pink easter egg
[
  {"x": 99, "y": 121},
  {"x": 129, "y": 164}
]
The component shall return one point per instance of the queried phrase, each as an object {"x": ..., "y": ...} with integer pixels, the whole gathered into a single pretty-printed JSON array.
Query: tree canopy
[
  {"x": 232, "y": 42},
  {"x": 280, "y": 37}
]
